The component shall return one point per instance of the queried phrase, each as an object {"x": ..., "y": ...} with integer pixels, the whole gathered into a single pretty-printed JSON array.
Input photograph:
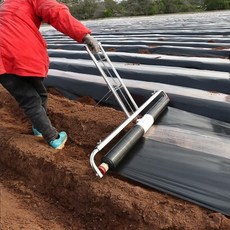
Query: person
[{"x": 24, "y": 60}]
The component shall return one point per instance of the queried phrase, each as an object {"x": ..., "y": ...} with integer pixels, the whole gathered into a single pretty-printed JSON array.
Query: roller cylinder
[
  {"x": 120, "y": 150},
  {"x": 159, "y": 106}
]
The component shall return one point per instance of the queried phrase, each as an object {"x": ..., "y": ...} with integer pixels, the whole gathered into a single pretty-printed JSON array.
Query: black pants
[{"x": 32, "y": 96}]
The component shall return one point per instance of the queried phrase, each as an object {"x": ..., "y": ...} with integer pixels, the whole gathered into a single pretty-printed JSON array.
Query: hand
[{"x": 92, "y": 43}]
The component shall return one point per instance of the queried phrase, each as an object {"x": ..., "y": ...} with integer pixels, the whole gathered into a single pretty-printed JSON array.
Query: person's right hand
[{"x": 92, "y": 43}]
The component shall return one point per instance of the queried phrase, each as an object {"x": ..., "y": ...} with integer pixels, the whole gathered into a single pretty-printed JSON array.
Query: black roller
[{"x": 120, "y": 150}]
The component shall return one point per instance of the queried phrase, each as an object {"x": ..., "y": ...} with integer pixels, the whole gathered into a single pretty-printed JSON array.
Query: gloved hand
[{"x": 92, "y": 43}]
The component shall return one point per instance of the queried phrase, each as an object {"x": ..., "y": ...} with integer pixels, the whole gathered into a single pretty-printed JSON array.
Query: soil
[{"x": 43, "y": 188}]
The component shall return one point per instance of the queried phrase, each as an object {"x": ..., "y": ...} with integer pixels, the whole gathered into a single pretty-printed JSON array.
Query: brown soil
[{"x": 43, "y": 188}]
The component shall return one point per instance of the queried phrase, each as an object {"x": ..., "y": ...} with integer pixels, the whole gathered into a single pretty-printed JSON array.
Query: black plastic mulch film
[{"x": 186, "y": 153}]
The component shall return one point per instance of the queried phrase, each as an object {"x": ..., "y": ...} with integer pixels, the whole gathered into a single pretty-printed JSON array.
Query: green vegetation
[
  {"x": 216, "y": 4},
  {"x": 90, "y": 9}
]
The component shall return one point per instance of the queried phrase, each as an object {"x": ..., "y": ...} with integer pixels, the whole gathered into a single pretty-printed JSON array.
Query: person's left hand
[{"x": 92, "y": 43}]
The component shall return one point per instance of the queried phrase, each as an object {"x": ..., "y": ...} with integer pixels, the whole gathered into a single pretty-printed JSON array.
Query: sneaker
[
  {"x": 60, "y": 141},
  {"x": 36, "y": 132}
]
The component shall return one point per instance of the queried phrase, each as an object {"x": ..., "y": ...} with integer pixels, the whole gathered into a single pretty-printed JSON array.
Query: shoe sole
[{"x": 62, "y": 145}]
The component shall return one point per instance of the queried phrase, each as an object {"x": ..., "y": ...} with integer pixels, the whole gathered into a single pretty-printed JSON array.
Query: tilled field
[{"x": 42, "y": 188}]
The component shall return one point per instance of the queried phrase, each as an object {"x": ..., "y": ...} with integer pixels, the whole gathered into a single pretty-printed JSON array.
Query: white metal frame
[
  {"x": 113, "y": 81},
  {"x": 115, "y": 85}
]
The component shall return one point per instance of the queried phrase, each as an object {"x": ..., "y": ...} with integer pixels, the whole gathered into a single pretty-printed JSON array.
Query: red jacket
[{"x": 23, "y": 51}]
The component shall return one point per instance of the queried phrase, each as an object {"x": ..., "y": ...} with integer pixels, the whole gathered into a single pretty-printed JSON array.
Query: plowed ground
[{"x": 43, "y": 188}]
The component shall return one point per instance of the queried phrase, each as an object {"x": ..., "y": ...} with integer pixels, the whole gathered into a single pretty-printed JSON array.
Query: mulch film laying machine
[{"x": 156, "y": 104}]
